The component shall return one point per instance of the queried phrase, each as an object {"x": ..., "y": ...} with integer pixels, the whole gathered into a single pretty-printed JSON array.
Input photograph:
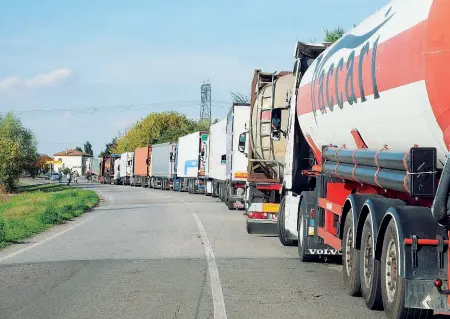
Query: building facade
[{"x": 72, "y": 159}]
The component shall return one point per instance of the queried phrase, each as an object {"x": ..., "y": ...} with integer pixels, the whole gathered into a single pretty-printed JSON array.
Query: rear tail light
[{"x": 257, "y": 215}]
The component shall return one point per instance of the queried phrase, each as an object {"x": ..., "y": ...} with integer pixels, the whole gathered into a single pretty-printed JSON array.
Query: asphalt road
[{"x": 152, "y": 254}]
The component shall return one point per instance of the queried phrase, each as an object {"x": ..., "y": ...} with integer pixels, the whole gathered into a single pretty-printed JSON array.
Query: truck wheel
[
  {"x": 249, "y": 228},
  {"x": 303, "y": 234},
  {"x": 392, "y": 285},
  {"x": 230, "y": 205},
  {"x": 370, "y": 269},
  {"x": 220, "y": 192},
  {"x": 282, "y": 233},
  {"x": 350, "y": 259}
]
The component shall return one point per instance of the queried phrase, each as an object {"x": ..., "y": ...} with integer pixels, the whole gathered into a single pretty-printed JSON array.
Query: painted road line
[{"x": 216, "y": 287}]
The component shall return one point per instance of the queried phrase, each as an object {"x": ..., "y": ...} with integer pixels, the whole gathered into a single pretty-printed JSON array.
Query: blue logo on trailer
[{"x": 190, "y": 164}]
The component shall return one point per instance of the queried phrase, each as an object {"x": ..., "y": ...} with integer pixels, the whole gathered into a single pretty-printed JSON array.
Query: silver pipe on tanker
[
  {"x": 385, "y": 178},
  {"x": 368, "y": 157}
]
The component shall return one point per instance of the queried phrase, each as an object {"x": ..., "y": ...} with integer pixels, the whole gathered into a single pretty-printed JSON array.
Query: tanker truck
[
  {"x": 269, "y": 91},
  {"x": 366, "y": 172}
]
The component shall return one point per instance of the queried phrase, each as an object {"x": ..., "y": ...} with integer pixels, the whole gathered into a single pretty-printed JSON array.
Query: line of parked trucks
[{"x": 345, "y": 155}]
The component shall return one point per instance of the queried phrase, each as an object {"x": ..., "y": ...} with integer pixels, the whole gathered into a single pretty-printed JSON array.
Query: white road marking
[
  {"x": 216, "y": 288},
  {"x": 21, "y": 251}
]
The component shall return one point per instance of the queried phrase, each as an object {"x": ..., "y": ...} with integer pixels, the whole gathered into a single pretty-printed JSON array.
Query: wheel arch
[
  {"x": 375, "y": 206},
  {"x": 354, "y": 202}
]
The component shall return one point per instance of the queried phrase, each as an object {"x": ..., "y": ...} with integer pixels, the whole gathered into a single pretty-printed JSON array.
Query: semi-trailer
[
  {"x": 162, "y": 166},
  {"x": 190, "y": 163},
  {"x": 265, "y": 155},
  {"x": 215, "y": 157},
  {"x": 107, "y": 168},
  {"x": 116, "y": 180},
  {"x": 236, "y": 162},
  {"x": 126, "y": 167},
  {"x": 370, "y": 175},
  {"x": 141, "y": 168}
]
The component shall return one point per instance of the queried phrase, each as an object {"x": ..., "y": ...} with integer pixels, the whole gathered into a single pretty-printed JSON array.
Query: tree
[
  {"x": 41, "y": 162},
  {"x": 158, "y": 128},
  {"x": 333, "y": 35},
  {"x": 17, "y": 151},
  {"x": 239, "y": 98},
  {"x": 109, "y": 148},
  {"x": 88, "y": 148},
  {"x": 79, "y": 149}
]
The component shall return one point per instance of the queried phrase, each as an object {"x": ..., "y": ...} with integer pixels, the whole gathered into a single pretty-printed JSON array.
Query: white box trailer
[
  {"x": 162, "y": 165},
  {"x": 233, "y": 190},
  {"x": 191, "y": 162},
  {"x": 126, "y": 167},
  {"x": 117, "y": 171},
  {"x": 215, "y": 157}
]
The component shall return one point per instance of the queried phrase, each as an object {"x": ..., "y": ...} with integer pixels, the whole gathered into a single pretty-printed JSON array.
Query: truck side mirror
[
  {"x": 242, "y": 139},
  {"x": 275, "y": 127},
  {"x": 223, "y": 160},
  {"x": 171, "y": 157}
]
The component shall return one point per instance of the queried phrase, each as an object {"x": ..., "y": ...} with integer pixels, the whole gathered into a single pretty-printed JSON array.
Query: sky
[{"x": 77, "y": 71}]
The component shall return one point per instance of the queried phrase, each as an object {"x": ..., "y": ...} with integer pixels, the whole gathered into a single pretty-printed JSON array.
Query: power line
[{"x": 121, "y": 107}]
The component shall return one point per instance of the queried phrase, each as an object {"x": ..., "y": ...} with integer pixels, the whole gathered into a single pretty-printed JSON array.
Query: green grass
[{"x": 35, "y": 208}]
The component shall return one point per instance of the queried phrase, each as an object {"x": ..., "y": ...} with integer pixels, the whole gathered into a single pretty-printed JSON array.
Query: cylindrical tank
[
  {"x": 271, "y": 152},
  {"x": 388, "y": 78}
]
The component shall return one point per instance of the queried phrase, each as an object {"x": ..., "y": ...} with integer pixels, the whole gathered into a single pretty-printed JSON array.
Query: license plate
[{"x": 238, "y": 205}]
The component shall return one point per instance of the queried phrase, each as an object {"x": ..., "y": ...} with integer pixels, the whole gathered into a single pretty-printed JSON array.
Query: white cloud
[
  {"x": 41, "y": 80},
  {"x": 9, "y": 82}
]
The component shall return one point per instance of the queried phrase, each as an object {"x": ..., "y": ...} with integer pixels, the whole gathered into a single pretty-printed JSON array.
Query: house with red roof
[{"x": 73, "y": 159}]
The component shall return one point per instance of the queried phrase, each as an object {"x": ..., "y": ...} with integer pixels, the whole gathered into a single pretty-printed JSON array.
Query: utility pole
[{"x": 205, "y": 107}]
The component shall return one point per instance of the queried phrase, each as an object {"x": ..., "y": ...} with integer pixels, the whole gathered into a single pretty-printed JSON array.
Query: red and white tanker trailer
[{"x": 366, "y": 171}]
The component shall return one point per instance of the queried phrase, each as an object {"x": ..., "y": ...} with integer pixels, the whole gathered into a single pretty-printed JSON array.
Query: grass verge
[{"x": 35, "y": 208}]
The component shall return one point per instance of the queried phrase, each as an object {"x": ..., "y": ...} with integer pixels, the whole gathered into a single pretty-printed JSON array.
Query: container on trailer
[
  {"x": 215, "y": 157},
  {"x": 141, "y": 168},
  {"x": 190, "y": 162},
  {"x": 126, "y": 167},
  {"x": 116, "y": 171},
  {"x": 162, "y": 165},
  {"x": 107, "y": 169},
  {"x": 236, "y": 161}
]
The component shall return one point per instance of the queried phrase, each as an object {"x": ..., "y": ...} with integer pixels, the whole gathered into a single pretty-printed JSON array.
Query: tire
[
  {"x": 350, "y": 259},
  {"x": 394, "y": 302},
  {"x": 230, "y": 205},
  {"x": 282, "y": 233},
  {"x": 249, "y": 228},
  {"x": 370, "y": 269},
  {"x": 302, "y": 246}
]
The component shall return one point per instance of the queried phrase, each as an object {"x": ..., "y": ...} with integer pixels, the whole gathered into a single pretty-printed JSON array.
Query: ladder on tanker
[{"x": 263, "y": 128}]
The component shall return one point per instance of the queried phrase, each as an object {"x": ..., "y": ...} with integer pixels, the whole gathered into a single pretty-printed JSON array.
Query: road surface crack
[{"x": 202, "y": 289}]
